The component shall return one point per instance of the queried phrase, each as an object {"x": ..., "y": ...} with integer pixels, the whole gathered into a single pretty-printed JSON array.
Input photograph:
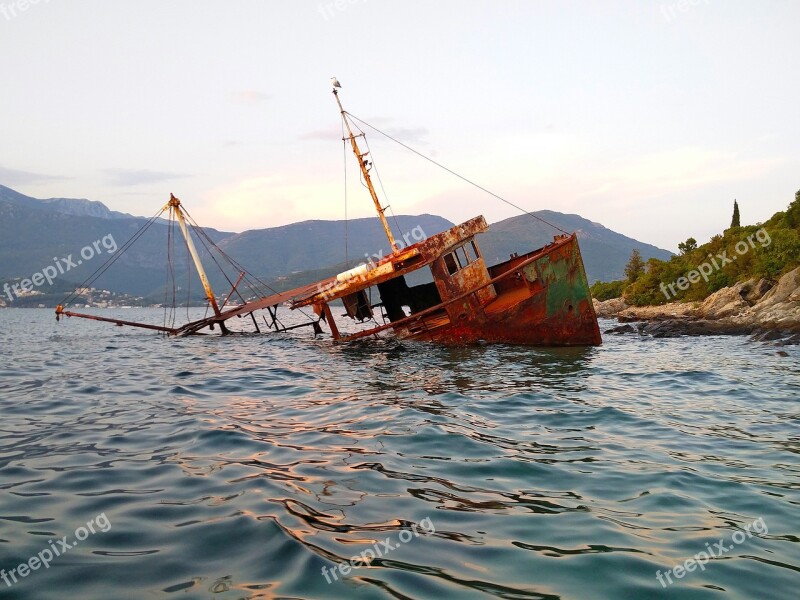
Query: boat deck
[{"x": 506, "y": 300}]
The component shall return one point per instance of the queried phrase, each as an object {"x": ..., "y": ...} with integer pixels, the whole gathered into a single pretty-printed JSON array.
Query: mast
[
  {"x": 176, "y": 204},
  {"x": 364, "y": 171}
]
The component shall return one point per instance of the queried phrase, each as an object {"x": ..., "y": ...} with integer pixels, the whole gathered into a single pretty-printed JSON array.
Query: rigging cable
[
  {"x": 170, "y": 312},
  {"x": 346, "y": 224},
  {"x": 188, "y": 284},
  {"x": 112, "y": 259},
  {"x": 362, "y": 134},
  {"x": 166, "y": 274},
  {"x": 248, "y": 278},
  {"x": 480, "y": 187},
  {"x": 169, "y": 319},
  {"x": 380, "y": 181}
]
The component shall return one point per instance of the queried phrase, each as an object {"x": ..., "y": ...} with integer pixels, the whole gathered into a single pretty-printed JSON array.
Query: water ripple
[{"x": 249, "y": 467}]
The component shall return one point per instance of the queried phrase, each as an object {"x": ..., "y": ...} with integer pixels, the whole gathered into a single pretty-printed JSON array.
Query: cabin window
[
  {"x": 464, "y": 255},
  {"x": 461, "y": 255},
  {"x": 450, "y": 263},
  {"x": 472, "y": 250}
]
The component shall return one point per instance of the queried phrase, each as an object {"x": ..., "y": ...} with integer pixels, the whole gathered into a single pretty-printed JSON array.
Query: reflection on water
[{"x": 243, "y": 467}]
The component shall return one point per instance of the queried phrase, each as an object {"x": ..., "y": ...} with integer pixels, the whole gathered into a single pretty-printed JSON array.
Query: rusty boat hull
[{"x": 543, "y": 299}]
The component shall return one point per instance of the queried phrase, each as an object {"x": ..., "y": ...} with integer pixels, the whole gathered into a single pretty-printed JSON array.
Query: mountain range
[{"x": 35, "y": 234}]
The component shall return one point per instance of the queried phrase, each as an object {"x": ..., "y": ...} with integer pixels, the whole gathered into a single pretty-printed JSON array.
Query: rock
[
  {"x": 779, "y": 308},
  {"x": 790, "y": 341},
  {"x": 766, "y": 336},
  {"x": 726, "y": 302},
  {"x": 693, "y": 327},
  {"x": 622, "y": 329},
  {"x": 609, "y": 308},
  {"x": 787, "y": 290},
  {"x": 757, "y": 291},
  {"x": 666, "y": 329},
  {"x": 782, "y": 353},
  {"x": 674, "y": 310},
  {"x": 743, "y": 309}
]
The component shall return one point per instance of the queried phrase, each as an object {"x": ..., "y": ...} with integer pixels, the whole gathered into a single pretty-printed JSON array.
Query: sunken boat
[{"x": 537, "y": 298}]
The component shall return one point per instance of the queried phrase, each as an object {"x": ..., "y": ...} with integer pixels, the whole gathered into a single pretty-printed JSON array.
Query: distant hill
[
  {"x": 34, "y": 233},
  {"x": 66, "y": 206},
  {"x": 605, "y": 252},
  {"x": 313, "y": 244}
]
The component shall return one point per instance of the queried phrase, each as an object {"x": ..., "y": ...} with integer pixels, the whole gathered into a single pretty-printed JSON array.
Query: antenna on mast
[{"x": 362, "y": 163}]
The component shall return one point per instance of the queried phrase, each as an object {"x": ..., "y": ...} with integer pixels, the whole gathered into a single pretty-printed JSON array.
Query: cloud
[
  {"x": 128, "y": 177},
  {"x": 249, "y": 97},
  {"x": 15, "y": 177}
]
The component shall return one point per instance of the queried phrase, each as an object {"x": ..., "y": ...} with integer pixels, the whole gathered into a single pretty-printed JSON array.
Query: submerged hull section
[{"x": 539, "y": 299}]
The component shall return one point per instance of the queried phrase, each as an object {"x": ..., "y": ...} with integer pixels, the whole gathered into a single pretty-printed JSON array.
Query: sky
[{"x": 648, "y": 117}]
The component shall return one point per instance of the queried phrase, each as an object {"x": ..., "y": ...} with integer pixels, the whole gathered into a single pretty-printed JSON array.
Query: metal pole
[
  {"x": 363, "y": 164},
  {"x": 176, "y": 204},
  {"x": 331, "y": 323}
]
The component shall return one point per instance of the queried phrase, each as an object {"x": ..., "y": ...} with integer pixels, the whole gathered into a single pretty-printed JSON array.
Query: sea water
[{"x": 284, "y": 466}]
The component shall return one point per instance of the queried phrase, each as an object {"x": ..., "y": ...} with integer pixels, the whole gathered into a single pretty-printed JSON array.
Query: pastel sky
[{"x": 649, "y": 117}]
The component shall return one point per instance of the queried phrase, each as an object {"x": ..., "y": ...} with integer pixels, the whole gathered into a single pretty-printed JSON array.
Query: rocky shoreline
[{"x": 760, "y": 309}]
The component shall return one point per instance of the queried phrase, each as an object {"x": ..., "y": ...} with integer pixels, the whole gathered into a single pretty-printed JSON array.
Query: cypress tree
[{"x": 735, "y": 219}]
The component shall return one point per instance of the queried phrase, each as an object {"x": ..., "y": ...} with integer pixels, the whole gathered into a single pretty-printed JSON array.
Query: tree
[
  {"x": 735, "y": 220},
  {"x": 607, "y": 291},
  {"x": 793, "y": 212},
  {"x": 635, "y": 266},
  {"x": 687, "y": 246}
]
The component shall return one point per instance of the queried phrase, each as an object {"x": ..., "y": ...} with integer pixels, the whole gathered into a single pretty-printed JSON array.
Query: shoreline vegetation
[{"x": 745, "y": 281}]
